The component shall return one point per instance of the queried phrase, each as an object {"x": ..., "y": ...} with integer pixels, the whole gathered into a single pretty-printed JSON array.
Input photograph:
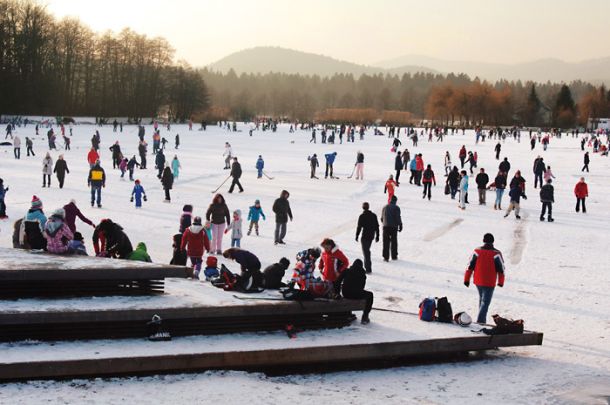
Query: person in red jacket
[
  {"x": 581, "y": 191},
  {"x": 195, "y": 240},
  {"x": 462, "y": 154},
  {"x": 389, "y": 187},
  {"x": 487, "y": 265},
  {"x": 419, "y": 168},
  {"x": 92, "y": 157},
  {"x": 332, "y": 261}
]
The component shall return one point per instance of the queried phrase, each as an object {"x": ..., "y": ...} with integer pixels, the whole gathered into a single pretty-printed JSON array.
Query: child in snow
[
  {"x": 139, "y": 193},
  {"x": 389, "y": 187},
  {"x": 76, "y": 245},
  {"x": 123, "y": 167},
  {"x": 178, "y": 138},
  {"x": 254, "y": 215},
  {"x": 196, "y": 242},
  {"x": 260, "y": 165},
  {"x": 3, "y": 191},
  {"x": 57, "y": 233},
  {"x": 179, "y": 256},
  {"x": 176, "y": 167},
  {"x": 211, "y": 268},
  {"x": 185, "y": 218},
  {"x": 235, "y": 227}
]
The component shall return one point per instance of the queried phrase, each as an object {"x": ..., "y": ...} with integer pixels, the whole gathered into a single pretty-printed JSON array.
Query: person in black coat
[
  {"x": 179, "y": 256},
  {"x": 586, "y": 161},
  {"x": 453, "y": 180},
  {"x": 114, "y": 242},
  {"x": 116, "y": 154},
  {"x": 131, "y": 165},
  {"x": 236, "y": 174},
  {"x": 398, "y": 166},
  {"x": 482, "y": 179},
  {"x": 167, "y": 180},
  {"x": 160, "y": 162},
  {"x": 352, "y": 282},
  {"x": 274, "y": 274},
  {"x": 369, "y": 225},
  {"x": 251, "y": 278},
  {"x": 539, "y": 169},
  {"x": 547, "y": 198},
  {"x": 142, "y": 150},
  {"x": 281, "y": 208},
  {"x": 61, "y": 168},
  {"x": 392, "y": 224},
  {"x": 504, "y": 166}
]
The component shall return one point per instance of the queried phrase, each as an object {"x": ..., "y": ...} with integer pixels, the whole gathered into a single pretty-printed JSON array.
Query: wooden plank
[{"x": 262, "y": 359}]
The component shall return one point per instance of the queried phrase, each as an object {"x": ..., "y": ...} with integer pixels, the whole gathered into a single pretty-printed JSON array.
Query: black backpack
[{"x": 445, "y": 313}]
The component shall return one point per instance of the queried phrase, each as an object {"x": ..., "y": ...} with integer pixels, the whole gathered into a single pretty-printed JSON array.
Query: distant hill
[
  {"x": 282, "y": 60},
  {"x": 543, "y": 70}
]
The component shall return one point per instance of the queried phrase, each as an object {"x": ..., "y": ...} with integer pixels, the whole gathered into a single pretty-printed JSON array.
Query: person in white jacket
[
  {"x": 17, "y": 147},
  {"x": 47, "y": 170},
  {"x": 229, "y": 154},
  {"x": 463, "y": 189},
  {"x": 236, "y": 229}
]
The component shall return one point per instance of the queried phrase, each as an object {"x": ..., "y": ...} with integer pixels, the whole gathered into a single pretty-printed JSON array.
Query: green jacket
[{"x": 140, "y": 254}]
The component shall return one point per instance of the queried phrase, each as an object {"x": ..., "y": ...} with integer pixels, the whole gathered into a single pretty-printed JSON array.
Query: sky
[{"x": 361, "y": 31}]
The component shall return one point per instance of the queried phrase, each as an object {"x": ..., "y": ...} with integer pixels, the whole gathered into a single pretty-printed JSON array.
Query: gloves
[
  {"x": 500, "y": 285},
  {"x": 467, "y": 283},
  {"x": 145, "y": 199},
  {"x": 399, "y": 228},
  {"x": 356, "y": 239},
  {"x": 376, "y": 239},
  {"x": 524, "y": 197},
  {"x": 131, "y": 199}
]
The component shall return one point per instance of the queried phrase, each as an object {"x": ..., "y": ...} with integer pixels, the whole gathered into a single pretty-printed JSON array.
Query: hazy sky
[{"x": 362, "y": 31}]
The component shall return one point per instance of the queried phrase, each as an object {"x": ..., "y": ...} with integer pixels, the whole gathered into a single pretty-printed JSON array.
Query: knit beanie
[{"x": 36, "y": 203}]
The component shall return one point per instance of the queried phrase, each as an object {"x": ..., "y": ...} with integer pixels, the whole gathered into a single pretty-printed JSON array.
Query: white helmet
[{"x": 462, "y": 319}]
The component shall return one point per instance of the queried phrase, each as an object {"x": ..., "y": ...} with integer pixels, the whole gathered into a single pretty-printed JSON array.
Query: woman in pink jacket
[{"x": 57, "y": 233}]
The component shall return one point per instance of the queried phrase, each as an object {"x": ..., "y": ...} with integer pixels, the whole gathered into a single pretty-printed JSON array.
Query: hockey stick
[
  {"x": 221, "y": 184},
  {"x": 267, "y": 176},
  {"x": 352, "y": 175}
]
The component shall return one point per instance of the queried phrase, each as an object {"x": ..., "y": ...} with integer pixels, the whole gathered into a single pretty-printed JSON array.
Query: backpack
[
  {"x": 445, "y": 313},
  {"x": 226, "y": 280},
  {"x": 427, "y": 309},
  {"x": 504, "y": 326}
]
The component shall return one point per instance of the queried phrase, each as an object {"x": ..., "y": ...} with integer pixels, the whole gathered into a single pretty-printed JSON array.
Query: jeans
[
  {"x": 545, "y": 206},
  {"x": 217, "y": 232},
  {"x": 329, "y": 167},
  {"x": 97, "y": 189},
  {"x": 366, "y": 252},
  {"x": 499, "y": 194},
  {"x": 482, "y": 195},
  {"x": 280, "y": 231},
  {"x": 453, "y": 191},
  {"x": 428, "y": 190},
  {"x": 2, "y": 208},
  {"x": 485, "y": 294},
  {"x": 235, "y": 242},
  {"x": 46, "y": 178},
  {"x": 390, "y": 242},
  {"x": 17, "y": 152}
]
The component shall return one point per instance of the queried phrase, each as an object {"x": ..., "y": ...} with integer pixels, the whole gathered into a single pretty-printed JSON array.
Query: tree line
[{"x": 61, "y": 67}]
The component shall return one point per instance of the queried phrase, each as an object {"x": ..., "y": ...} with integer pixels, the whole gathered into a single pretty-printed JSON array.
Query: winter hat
[
  {"x": 285, "y": 262},
  {"x": 137, "y": 181},
  {"x": 60, "y": 213},
  {"x": 255, "y": 201},
  {"x": 488, "y": 238},
  {"x": 394, "y": 198},
  {"x": 197, "y": 221},
  {"x": 36, "y": 203},
  {"x": 187, "y": 208},
  {"x": 462, "y": 319},
  {"x": 78, "y": 236}
]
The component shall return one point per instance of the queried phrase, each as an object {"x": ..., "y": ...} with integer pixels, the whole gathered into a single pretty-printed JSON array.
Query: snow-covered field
[{"x": 557, "y": 274}]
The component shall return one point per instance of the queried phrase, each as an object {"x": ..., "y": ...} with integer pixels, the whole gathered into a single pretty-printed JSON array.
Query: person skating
[
  {"x": 138, "y": 194},
  {"x": 390, "y": 184},
  {"x": 586, "y": 161},
  {"x": 313, "y": 164},
  {"x": 332, "y": 262},
  {"x": 447, "y": 163},
  {"x": 96, "y": 180},
  {"x": 398, "y": 166},
  {"x": 504, "y": 166},
  {"x": 142, "y": 150},
  {"x": 547, "y": 198},
  {"x": 195, "y": 241},
  {"x": 117, "y": 156},
  {"x": 61, "y": 168},
  {"x": 57, "y": 233},
  {"x": 548, "y": 174},
  {"x": 177, "y": 140},
  {"x": 29, "y": 145},
  {"x": 392, "y": 224},
  {"x": 581, "y": 191},
  {"x": 254, "y": 214},
  {"x": 453, "y": 180},
  {"x": 539, "y": 168},
  {"x": 515, "y": 194},
  {"x": 236, "y": 174},
  {"x": 419, "y": 168},
  {"x": 218, "y": 213},
  {"x": 92, "y": 157},
  {"x": 463, "y": 189},
  {"x": 368, "y": 224},
  {"x": 359, "y": 166},
  {"x": 330, "y": 159},
  {"x": 462, "y": 155},
  {"x": 260, "y": 165},
  {"x": 428, "y": 179},
  {"x": 487, "y": 265},
  {"x": 500, "y": 185},
  {"x": 123, "y": 167},
  {"x": 228, "y": 153},
  {"x": 167, "y": 181},
  {"x": 47, "y": 170},
  {"x": 109, "y": 240},
  {"x": 352, "y": 282},
  {"x": 3, "y": 191},
  {"x": 176, "y": 167},
  {"x": 131, "y": 165},
  {"x": 236, "y": 229},
  {"x": 281, "y": 208},
  {"x": 160, "y": 162},
  {"x": 72, "y": 212},
  {"x": 482, "y": 179},
  {"x": 498, "y": 148},
  {"x": 17, "y": 147}
]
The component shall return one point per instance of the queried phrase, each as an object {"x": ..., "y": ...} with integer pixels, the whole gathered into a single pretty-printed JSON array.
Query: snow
[{"x": 557, "y": 274}]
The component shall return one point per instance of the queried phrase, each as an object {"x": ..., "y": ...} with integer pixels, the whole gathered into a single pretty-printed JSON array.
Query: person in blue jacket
[
  {"x": 330, "y": 159},
  {"x": 139, "y": 193},
  {"x": 254, "y": 215},
  {"x": 260, "y": 164},
  {"x": 413, "y": 169}
]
